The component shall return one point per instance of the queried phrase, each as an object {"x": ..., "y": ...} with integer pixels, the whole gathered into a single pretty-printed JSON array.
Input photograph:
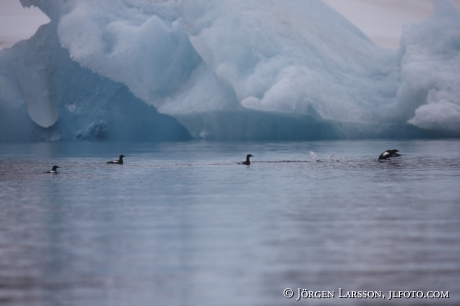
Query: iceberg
[
  {"x": 45, "y": 96},
  {"x": 226, "y": 70},
  {"x": 431, "y": 70}
]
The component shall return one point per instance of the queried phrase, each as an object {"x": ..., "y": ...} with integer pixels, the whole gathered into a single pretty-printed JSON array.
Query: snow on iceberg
[{"x": 234, "y": 69}]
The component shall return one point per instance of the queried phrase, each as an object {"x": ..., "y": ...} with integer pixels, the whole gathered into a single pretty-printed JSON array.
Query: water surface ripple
[{"x": 183, "y": 224}]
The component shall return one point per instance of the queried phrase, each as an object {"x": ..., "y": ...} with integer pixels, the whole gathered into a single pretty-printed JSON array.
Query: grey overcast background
[{"x": 381, "y": 20}]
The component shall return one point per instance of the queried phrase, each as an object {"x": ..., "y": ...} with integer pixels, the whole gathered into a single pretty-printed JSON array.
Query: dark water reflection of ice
[{"x": 183, "y": 224}]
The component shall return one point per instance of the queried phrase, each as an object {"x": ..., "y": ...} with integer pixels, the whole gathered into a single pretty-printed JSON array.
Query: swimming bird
[
  {"x": 119, "y": 161},
  {"x": 389, "y": 153},
  {"x": 54, "y": 170},
  {"x": 247, "y": 162}
]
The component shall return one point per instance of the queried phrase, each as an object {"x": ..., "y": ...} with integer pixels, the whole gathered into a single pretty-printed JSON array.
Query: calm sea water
[{"x": 183, "y": 224}]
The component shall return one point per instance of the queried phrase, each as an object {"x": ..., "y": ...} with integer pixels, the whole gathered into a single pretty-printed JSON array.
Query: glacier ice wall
[{"x": 233, "y": 69}]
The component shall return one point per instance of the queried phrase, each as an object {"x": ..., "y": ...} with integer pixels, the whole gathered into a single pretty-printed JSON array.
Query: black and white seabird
[
  {"x": 54, "y": 170},
  {"x": 247, "y": 162},
  {"x": 119, "y": 161},
  {"x": 388, "y": 154}
]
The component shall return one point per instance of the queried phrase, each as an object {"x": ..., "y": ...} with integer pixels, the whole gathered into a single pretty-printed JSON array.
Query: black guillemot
[
  {"x": 247, "y": 161},
  {"x": 54, "y": 170},
  {"x": 119, "y": 161},
  {"x": 388, "y": 154}
]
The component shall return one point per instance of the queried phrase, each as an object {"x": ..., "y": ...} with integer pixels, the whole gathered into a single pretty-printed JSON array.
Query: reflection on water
[{"x": 183, "y": 224}]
